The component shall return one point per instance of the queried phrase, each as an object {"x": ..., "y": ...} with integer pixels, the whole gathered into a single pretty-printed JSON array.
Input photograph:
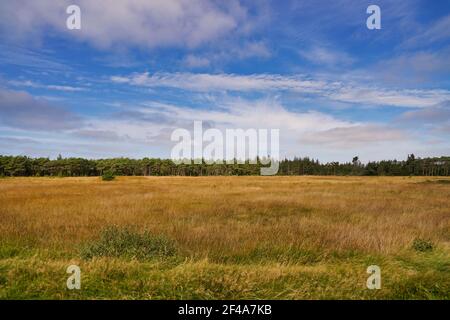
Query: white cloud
[
  {"x": 307, "y": 133},
  {"x": 142, "y": 23},
  {"x": 153, "y": 122},
  {"x": 241, "y": 113},
  {"x": 144, "y": 129}
]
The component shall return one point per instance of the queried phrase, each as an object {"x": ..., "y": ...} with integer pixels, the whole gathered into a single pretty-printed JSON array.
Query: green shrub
[
  {"x": 124, "y": 242},
  {"x": 422, "y": 245},
  {"x": 108, "y": 176}
]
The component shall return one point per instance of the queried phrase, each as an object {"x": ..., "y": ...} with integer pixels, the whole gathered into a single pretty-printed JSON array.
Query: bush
[
  {"x": 108, "y": 176},
  {"x": 123, "y": 242},
  {"x": 422, "y": 245}
]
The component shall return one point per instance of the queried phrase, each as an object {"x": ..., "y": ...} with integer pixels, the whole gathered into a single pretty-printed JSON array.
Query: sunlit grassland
[{"x": 235, "y": 237}]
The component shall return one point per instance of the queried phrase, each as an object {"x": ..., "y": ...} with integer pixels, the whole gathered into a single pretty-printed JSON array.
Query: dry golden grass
[
  {"x": 231, "y": 214},
  {"x": 234, "y": 220}
]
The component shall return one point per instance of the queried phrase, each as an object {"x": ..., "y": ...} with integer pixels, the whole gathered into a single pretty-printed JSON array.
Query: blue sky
[{"x": 139, "y": 69}]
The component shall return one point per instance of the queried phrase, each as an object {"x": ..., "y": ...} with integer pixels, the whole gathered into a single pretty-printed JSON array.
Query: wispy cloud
[
  {"x": 19, "y": 56},
  {"x": 31, "y": 84},
  {"x": 388, "y": 97},
  {"x": 333, "y": 90},
  {"x": 220, "y": 82},
  {"x": 438, "y": 31}
]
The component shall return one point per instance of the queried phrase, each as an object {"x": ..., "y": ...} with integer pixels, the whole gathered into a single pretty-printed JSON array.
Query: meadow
[{"x": 299, "y": 237}]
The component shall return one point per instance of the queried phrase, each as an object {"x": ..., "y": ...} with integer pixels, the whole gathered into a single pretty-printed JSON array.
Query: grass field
[{"x": 225, "y": 237}]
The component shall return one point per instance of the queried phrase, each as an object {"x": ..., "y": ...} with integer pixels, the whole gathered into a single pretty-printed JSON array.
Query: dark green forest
[{"x": 22, "y": 166}]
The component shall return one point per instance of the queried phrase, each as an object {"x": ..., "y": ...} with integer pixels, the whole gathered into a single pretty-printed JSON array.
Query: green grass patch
[
  {"x": 422, "y": 245},
  {"x": 127, "y": 243}
]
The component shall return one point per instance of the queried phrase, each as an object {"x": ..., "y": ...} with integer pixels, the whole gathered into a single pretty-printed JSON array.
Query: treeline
[
  {"x": 411, "y": 167},
  {"x": 16, "y": 166}
]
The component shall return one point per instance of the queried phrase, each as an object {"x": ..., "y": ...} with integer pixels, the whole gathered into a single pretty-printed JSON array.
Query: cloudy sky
[{"x": 138, "y": 69}]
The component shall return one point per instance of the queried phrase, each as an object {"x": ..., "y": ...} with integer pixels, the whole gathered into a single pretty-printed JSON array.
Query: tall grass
[{"x": 242, "y": 223}]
